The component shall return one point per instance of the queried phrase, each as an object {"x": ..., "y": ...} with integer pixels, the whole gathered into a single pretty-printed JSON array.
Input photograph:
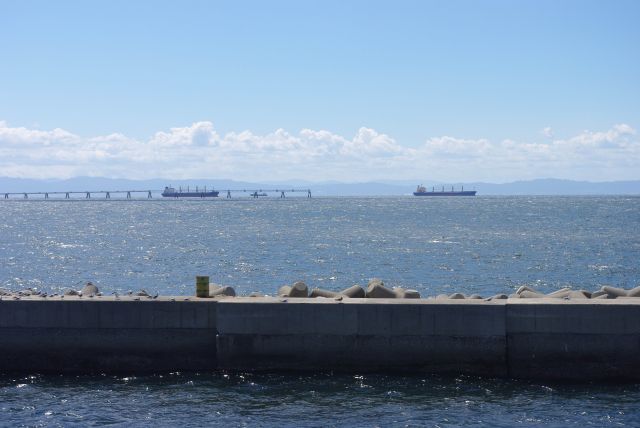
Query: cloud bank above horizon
[{"x": 199, "y": 151}]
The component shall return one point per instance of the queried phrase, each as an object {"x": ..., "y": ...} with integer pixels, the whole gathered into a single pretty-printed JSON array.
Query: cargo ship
[
  {"x": 170, "y": 192},
  {"x": 422, "y": 191}
]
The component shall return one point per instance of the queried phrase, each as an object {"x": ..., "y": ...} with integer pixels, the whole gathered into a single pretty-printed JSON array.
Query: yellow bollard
[{"x": 202, "y": 286}]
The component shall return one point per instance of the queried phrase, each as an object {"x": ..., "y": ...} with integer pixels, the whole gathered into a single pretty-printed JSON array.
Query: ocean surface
[{"x": 481, "y": 245}]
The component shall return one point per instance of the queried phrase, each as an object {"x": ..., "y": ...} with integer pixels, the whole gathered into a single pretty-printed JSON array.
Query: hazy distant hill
[
  {"x": 82, "y": 184},
  {"x": 552, "y": 186},
  {"x": 532, "y": 187}
]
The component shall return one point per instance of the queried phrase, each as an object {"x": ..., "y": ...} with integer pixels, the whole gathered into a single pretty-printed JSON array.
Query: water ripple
[{"x": 482, "y": 245}]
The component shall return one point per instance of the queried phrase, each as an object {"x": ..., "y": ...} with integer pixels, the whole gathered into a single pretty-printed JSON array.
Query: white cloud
[
  {"x": 198, "y": 151},
  {"x": 198, "y": 134},
  {"x": 547, "y": 132}
]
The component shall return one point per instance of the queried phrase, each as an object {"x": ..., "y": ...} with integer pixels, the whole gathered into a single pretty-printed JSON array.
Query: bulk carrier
[
  {"x": 170, "y": 192},
  {"x": 422, "y": 191}
]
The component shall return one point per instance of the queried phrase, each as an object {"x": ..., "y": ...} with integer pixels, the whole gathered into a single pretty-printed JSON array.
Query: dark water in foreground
[
  {"x": 310, "y": 400},
  {"x": 474, "y": 245}
]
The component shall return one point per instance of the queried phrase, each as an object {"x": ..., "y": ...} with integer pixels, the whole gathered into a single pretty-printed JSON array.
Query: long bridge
[{"x": 127, "y": 194}]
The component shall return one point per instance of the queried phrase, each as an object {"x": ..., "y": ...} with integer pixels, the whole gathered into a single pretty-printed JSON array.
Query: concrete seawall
[
  {"x": 362, "y": 336},
  {"x": 101, "y": 334},
  {"x": 520, "y": 338},
  {"x": 580, "y": 340}
]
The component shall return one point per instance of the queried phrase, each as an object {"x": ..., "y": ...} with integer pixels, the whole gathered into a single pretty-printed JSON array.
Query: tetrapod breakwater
[{"x": 525, "y": 336}]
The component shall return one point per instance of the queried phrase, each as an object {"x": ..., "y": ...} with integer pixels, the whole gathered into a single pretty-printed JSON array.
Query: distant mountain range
[{"x": 532, "y": 187}]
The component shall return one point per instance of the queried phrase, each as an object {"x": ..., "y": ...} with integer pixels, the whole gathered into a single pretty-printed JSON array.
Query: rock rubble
[{"x": 376, "y": 289}]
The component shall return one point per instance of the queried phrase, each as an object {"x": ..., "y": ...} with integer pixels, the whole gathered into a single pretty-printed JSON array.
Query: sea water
[{"x": 481, "y": 245}]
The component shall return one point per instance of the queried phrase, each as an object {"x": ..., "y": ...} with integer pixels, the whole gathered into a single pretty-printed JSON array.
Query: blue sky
[{"x": 482, "y": 86}]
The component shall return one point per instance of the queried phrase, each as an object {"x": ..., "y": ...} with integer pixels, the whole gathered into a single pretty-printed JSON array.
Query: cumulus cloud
[
  {"x": 547, "y": 132},
  {"x": 199, "y": 151}
]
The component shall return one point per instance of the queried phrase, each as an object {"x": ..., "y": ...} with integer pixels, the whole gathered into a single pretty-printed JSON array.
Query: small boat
[
  {"x": 256, "y": 194},
  {"x": 170, "y": 192},
  {"x": 422, "y": 191}
]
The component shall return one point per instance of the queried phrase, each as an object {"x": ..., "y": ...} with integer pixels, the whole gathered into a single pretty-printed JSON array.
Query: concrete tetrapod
[
  {"x": 525, "y": 288},
  {"x": 527, "y": 294},
  {"x": 614, "y": 292},
  {"x": 579, "y": 294},
  {"x": 221, "y": 290},
  {"x": 319, "y": 292},
  {"x": 599, "y": 295},
  {"x": 559, "y": 294},
  {"x": 402, "y": 293},
  {"x": 298, "y": 289},
  {"x": 377, "y": 290},
  {"x": 456, "y": 296},
  {"x": 89, "y": 290},
  {"x": 355, "y": 291}
]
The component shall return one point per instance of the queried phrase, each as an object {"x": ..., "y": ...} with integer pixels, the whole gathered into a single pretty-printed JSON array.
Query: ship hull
[
  {"x": 461, "y": 193},
  {"x": 212, "y": 194}
]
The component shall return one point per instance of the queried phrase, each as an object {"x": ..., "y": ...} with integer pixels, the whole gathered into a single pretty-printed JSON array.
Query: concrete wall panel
[
  {"x": 574, "y": 341},
  {"x": 361, "y": 336},
  {"x": 106, "y": 350},
  {"x": 428, "y": 354},
  {"x": 77, "y": 335}
]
